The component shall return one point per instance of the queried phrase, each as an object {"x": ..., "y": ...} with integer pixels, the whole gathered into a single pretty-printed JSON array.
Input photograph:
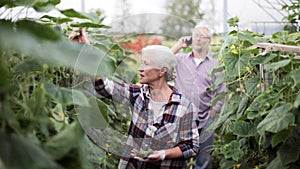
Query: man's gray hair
[
  {"x": 163, "y": 57},
  {"x": 204, "y": 30}
]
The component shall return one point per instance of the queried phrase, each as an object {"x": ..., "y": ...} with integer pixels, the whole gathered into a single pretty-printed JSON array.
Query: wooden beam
[{"x": 277, "y": 47}]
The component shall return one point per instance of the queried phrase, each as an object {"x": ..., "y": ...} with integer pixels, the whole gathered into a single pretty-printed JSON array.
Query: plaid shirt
[{"x": 177, "y": 126}]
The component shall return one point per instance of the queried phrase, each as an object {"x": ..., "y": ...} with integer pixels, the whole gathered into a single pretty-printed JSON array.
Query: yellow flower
[
  {"x": 248, "y": 69},
  {"x": 237, "y": 165},
  {"x": 234, "y": 51},
  {"x": 232, "y": 46},
  {"x": 61, "y": 115},
  {"x": 107, "y": 145},
  {"x": 42, "y": 86},
  {"x": 109, "y": 154},
  {"x": 256, "y": 167},
  {"x": 258, "y": 85}
]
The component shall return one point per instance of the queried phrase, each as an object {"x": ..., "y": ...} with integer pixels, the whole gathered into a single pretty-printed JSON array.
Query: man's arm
[{"x": 181, "y": 43}]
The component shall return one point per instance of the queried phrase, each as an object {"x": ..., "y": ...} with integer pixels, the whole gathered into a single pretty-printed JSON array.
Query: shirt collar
[
  {"x": 208, "y": 56},
  {"x": 175, "y": 96}
]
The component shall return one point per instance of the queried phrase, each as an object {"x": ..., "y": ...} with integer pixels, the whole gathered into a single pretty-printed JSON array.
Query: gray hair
[
  {"x": 163, "y": 57},
  {"x": 203, "y": 29}
]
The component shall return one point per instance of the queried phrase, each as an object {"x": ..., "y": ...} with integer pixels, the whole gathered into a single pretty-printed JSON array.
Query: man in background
[{"x": 193, "y": 78}]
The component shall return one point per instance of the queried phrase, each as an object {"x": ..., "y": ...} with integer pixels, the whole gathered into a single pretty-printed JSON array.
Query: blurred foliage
[
  {"x": 42, "y": 88},
  {"x": 293, "y": 17}
]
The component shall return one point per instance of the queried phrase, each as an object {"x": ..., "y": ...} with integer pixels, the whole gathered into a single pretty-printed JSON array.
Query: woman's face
[{"x": 149, "y": 71}]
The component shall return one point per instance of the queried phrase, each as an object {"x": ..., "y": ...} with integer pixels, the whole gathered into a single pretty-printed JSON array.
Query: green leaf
[
  {"x": 297, "y": 101},
  {"x": 251, "y": 86},
  {"x": 82, "y": 57},
  {"x": 260, "y": 59},
  {"x": 73, "y": 14},
  {"x": 28, "y": 3},
  {"x": 38, "y": 30},
  {"x": 294, "y": 37},
  {"x": 262, "y": 103},
  {"x": 28, "y": 155},
  {"x": 45, "y": 5},
  {"x": 244, "y": 129},
  {"x": 247, "y": 37},
  {"x": 5, "y": 2},
  {"x": 232, "y": 150},
  {"x": 56, "y": 19},
  {"x": 66, "y": 96},
  {"x": 243, "y": 104},
  {"x": 61, "y": 144},
  {"x": 276, "y": 163},
  {"x": 289, "y": 152},
  {"x": 295, "y": 74},
  {"x": 276, "y": 65},
  {"x": 235, "y": 64},
  {"x": 280, "y": 137},
  {"x": 89, "y": 25},
  {"x": 278, "y": 118},
  {"x": 58, "y": 113},
  {"x": 95, "y": 116},
  {"x": 233, "y": 21}
]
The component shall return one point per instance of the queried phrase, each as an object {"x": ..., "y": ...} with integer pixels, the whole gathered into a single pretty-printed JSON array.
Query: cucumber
[{"x": 144, "y": 154}]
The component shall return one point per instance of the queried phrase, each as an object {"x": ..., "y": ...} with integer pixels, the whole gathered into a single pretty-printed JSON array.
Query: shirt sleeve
[
  {"x": 189, "y": 133},
  {"x": 120, "y": 92}
]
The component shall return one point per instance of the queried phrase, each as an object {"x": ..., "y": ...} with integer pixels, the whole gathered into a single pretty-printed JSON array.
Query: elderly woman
[{"x": 162, "y": 120}]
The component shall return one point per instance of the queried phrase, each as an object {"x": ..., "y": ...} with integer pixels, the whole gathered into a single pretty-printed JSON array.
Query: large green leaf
[
  {"x": 247, "y": 37},
  {"x": 244, "y": 129},
  {"x": 278, "y": 118},
  {"x": 73, "y": 14},
  {"x": 18, "y": 152},
  {"x": 66, "y": 96},
  {"x": 276, "y": 65},
  {"x": 61, "y": 144},
  {"x": 235, "y": 64},
  {"x": 95, "y": 116},
  {"x": 289, "y": 152},
  {"x": 262, "y": 103},
  {"x": 37, "y": 29},
  {"x": 84, "y": 58},
  {"x": 276, "y": 163}
]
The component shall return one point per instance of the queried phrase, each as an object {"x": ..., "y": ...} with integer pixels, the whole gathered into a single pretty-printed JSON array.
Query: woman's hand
[{"x": 155, "y": 156}]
